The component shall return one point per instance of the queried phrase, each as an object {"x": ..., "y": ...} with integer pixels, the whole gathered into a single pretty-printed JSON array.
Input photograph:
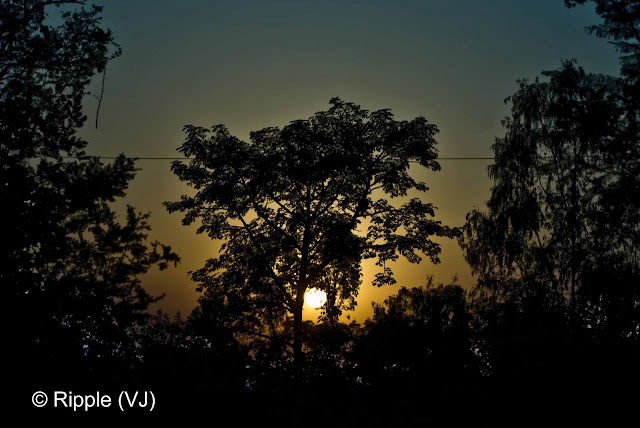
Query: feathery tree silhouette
[
  {"x": 69, "y": 267},
  {"x": 289, "y": 203}
]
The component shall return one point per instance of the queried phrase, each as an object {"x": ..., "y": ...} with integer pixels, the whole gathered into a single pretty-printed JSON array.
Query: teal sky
[{"x": 253, "y": 64}]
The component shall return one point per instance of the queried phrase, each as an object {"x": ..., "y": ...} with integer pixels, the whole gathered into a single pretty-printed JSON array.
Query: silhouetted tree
[
  {"x": 562, "y": 232},
  {"x": 547, "y": 172},
  {"x": 69, "y": 268},
  {"x": 564, "y": 203},
  {"x": 419, "y": 335},
  {"x": 614, "y": 311},
  {"x": 178, "y": 358},
  {"x": 290, "y": 203},
  {"x": 621, "y": 24}
]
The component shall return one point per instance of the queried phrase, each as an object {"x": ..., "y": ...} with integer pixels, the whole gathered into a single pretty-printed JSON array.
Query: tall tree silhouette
[
  {"x": 563, "y": 220},
  {"x": 539, "y": 224},
  {"x": 289, "y": 206},
  {"x": 617, "y": 218},
  {"x": 621, "y": 25},
  {"x": 69, "y": 268}
]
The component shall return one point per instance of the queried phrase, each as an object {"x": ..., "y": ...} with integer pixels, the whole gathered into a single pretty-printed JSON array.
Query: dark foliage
[
  {"x": 419, "y": 335},
  {"x": 288, "y": 206},
  {"x": 557, "y": 254},
  {"x": 555, "y": 312},
  {"x": 70, "y": 269}
]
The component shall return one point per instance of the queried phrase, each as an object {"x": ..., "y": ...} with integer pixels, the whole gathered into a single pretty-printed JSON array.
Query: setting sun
[{"x": 315, "y": 298}]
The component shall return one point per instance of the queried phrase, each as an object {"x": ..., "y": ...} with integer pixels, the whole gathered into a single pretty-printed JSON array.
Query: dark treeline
[{"x": 555, "y": 313}]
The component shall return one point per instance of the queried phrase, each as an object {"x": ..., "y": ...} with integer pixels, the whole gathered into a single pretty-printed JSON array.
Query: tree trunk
[{"x": 298, "y": 355}]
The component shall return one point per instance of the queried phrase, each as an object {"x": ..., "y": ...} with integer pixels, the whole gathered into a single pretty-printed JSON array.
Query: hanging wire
[{"x": 185, "y": 158}]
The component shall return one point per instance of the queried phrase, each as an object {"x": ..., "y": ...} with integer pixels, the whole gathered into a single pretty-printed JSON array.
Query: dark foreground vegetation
[{"x": 552, "y": 326}]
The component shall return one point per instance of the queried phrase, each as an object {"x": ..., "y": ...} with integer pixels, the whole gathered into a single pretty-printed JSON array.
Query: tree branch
[
  {"x": 104, "y": 73},
  {"x": 61, "y": 2},
  {"x": 285, "y": 293},
  {"x": 256, "y": 207}
]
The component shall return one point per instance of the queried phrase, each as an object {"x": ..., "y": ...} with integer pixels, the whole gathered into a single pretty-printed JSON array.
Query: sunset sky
[{"x": 253, "y": 64}]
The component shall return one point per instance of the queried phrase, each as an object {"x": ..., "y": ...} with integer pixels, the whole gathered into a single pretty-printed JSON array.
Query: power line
[
  {"x": 463, "y": 158},
  {"x": 175, "y": 158}
]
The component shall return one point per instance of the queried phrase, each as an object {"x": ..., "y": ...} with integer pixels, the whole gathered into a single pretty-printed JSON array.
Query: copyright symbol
[{"x": 39, "y": 399}]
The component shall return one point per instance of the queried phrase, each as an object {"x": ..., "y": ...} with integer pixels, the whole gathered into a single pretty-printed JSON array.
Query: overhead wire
[{"x": 188, "y": 158}]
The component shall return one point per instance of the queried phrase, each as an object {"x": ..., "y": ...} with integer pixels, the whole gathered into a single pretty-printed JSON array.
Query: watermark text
[{"x": 126, "y": 400}]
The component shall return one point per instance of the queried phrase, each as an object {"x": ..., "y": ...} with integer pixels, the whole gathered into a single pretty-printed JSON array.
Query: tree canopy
[
  {"x": 563, "y": 218},
  {"x": 300, "y": 207},
  {"x": 69, "y": 267},
  {"x": 621, "y": 24}
]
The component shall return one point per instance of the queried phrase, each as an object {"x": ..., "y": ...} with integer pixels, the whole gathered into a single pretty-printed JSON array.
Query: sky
[{"x": 255, "y": 64}]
